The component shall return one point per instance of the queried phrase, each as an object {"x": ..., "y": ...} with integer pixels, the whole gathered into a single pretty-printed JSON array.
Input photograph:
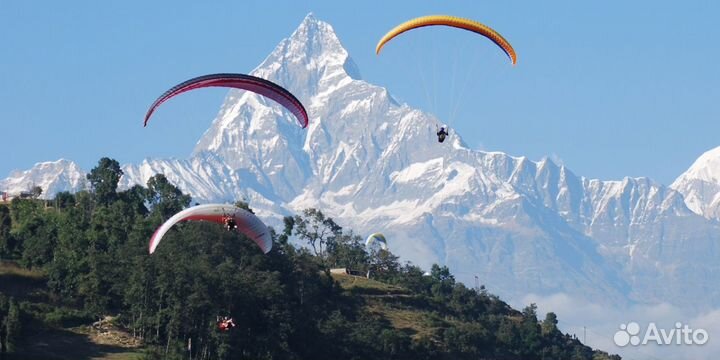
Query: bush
[{"x": 63, "y": 317}]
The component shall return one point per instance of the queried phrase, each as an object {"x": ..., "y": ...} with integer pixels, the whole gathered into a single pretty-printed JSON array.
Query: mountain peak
[
  {"x": 315, "y": 38},
  {"x": 308, "y": 63},
  {"x": 700, "y": 184},
  {"x": 313, "y": 54},
  {"x": 313, "y": 24},
  {"x": 51, "y": 176},
  {"x": 310, "y": 17},
  {"x": 705, "y": 168}
]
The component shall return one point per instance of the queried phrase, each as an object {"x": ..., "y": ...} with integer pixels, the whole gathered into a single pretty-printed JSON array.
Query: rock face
[{"x": 374, "y": 165}]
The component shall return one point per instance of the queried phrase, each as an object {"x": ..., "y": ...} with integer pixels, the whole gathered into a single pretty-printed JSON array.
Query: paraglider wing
[
  {"x": 376, "y": 238},
  {"x": 237, "y": 81},
  {"x": 451, "y": 21},
  {"x": 247, "y": 223}
]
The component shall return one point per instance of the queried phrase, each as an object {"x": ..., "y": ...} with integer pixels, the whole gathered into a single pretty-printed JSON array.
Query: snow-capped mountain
[
  {"x": 51, "y": 176},
  {"x": 374, "y": 165},
  {"x": 700, "y": 185}
]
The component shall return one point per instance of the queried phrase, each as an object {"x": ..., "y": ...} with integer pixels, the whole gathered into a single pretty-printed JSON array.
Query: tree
[
  {"x": 288, "y": 226},
  {"x": 316, "y": 230},
  {"x": 34, "y": 232},
  {"x": 64, "y": 200},
  {"x": 164, "y": 197},
  {"x": 444, "y": 282},
  {"x": 104, "y": 179},
  {"x": 7, "y": 244},
  {"x": 549, "y": 325},
  {"x": 468, "y": 339},
  {"x": 3, "y": 313},
  {"x": 530, "y": 330},
  {"x": 36, "y": 192},
  {"x": 394, "y": 343},
  {"x": 135, "y": 198},
  {"x": 13, "y": 327},
  {"x": 384, "y": 264},
  {"x": 348, "y": 250}
]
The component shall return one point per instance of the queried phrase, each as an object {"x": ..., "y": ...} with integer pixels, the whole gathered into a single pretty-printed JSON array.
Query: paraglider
[
  {"x": 452, "y": 21},
  {"x": 233, "y": 218},
  {"x": 238, "y": 81},
  {"x": 229, "y": 223},
  {"x": 442, "y": 133},
  {"x": 376, "y": 239},
  {"x": 225, "y": 324}
]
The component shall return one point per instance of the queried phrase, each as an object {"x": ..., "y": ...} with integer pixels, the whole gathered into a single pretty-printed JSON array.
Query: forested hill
[{"x": 84, "y": 256}]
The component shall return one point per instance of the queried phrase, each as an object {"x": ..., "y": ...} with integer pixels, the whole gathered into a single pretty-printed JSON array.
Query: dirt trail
[
  {"x": 103, "y": 332},
  {"x": 99, "y": 341}
]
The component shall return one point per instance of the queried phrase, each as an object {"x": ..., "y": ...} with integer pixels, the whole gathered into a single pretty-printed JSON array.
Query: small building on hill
[{"x": 346, "y": 271}]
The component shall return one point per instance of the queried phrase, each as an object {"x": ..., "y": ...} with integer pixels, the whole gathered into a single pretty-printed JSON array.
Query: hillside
[
  {"x": 53, "y": 330},
  {"x": 82, "y": 257}
]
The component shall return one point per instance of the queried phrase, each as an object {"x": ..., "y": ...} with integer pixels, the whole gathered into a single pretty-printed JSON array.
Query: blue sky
[{"x": 612, "y": 88}]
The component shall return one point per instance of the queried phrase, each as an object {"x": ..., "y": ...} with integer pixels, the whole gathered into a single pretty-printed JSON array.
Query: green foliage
[
  {"x": 4, "y": 307},
  {"x": 104, "y": 179},
  {"x": 64, "y": 200},
  {"x": 549, "y": 325},
  {"x": 36, "y": 192},
  {"x": 63, "y": 317},
  {"x": 7, "y": 244},
  {"x": 92, "y": 250},
  {"x": 165, "y": 198},
  {"x": 13, "y": 327},
  {"x": 348, "y": 251},
  {"x": 34, "y": 232},
  {"x": 318, "y": 231}
]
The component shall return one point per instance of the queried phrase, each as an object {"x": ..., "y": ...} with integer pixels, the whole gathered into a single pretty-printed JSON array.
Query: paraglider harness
[
  {"x": 225, "y": 324},
  {"x": 229, "y": 222},
  {"x": 441, "y": 134}
]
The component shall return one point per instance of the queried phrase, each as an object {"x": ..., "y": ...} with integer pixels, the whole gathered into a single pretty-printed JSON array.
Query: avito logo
[{"x": 630, "y": 334}]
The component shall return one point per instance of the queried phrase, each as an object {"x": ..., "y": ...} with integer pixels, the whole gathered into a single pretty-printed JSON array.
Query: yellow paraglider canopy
[{"x": 451, "y": 21}]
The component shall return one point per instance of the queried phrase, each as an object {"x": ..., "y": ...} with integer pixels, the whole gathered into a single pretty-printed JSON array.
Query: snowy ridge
[
  {"x": 700, "y": 185},
  {"x": 375, "y": 165},
  {"x": 51, "y": 176}
]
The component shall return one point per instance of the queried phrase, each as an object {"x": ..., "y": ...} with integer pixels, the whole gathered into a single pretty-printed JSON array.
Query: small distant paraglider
[
  {"x": 225, "y": 323},
  {"x": 231, "y": 217},
  {"x": 376, "y": 240},
  {"x": 442, "y": 133}
]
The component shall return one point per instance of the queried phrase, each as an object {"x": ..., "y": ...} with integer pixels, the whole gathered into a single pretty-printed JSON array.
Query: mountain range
[{"x": 374, "y": 164}]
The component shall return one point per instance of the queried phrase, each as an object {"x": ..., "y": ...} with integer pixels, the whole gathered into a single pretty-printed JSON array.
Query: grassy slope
[
  {"x": 394, "y": 304},
  {"x": 20, "y": 283}
]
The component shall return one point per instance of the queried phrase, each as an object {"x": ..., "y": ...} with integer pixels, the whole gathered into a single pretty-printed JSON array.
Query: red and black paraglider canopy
[{"x": 238, "y": 81}]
